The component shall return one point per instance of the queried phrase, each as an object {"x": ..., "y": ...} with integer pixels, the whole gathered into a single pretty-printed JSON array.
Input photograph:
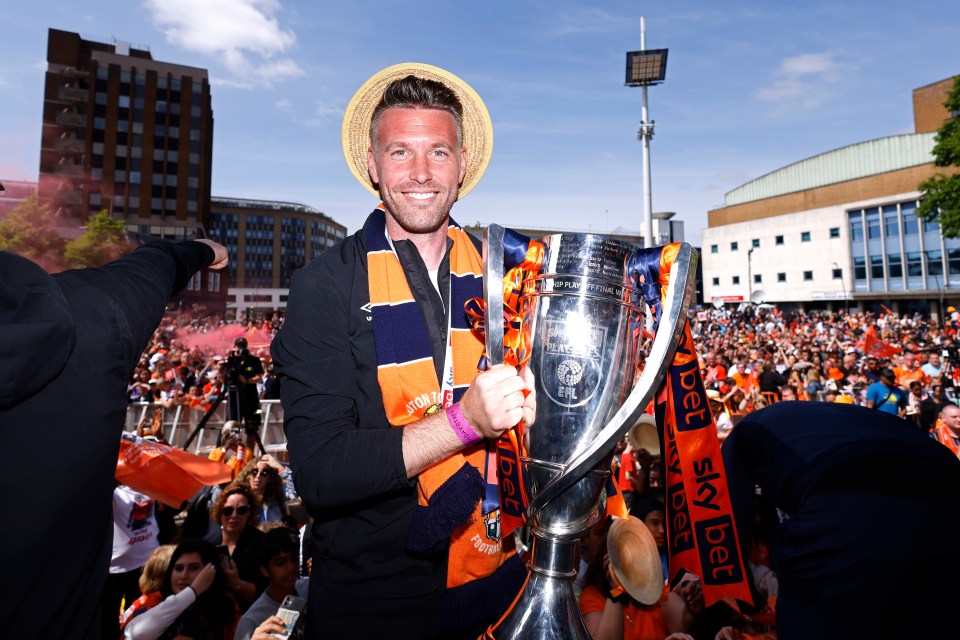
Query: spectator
[
  {"x": 236, "y": 512},
  {"x": 277, "y": 555},
  {"x": 886, "y": 395},
  {"x": 273, "y": 484},
  {"x": 948, "y": 432},
  {"x": 150, "y": 583},
  {"x": 196, "y": 603}
]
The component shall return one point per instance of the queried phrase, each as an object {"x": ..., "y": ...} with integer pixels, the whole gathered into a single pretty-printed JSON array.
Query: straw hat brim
[
  {"x": 477, "y": 127},
  {"x": 635, "y": 559}
]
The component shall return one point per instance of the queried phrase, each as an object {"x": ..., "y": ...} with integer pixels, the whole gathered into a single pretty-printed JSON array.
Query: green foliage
[
  {"x": 29, "y": 231},
  {"x": 103, "y": 241},
  {"x": 940, "y": 195}
]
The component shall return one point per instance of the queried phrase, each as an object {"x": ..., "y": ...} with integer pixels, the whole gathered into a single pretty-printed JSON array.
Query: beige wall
[{"x": 879, "y": 186}]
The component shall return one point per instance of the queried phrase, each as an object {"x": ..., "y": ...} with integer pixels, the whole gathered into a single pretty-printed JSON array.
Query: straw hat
[
  {"x": 635, "y": 560},
  {"x": 477, "y": 127}
]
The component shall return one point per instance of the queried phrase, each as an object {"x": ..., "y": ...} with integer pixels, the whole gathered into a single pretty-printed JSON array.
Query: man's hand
[
  {"x": 496, "y": 402},
  {"x": 221, "y": 258}
]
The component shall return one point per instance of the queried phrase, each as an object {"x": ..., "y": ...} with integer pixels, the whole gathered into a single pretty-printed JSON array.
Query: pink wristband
[{"x": 461, "y": 427}]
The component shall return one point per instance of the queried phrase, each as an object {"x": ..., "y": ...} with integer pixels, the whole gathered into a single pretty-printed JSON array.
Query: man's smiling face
[{"x": 418, "y": 165}]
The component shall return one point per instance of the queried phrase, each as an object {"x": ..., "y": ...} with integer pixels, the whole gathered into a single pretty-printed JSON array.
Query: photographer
[{"x": 244, "y": 371}]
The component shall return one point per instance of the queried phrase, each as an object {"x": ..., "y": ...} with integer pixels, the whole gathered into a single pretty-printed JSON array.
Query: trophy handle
[
  {"x": 493, "y": 273},
  {"x": 672, "y": 323}
]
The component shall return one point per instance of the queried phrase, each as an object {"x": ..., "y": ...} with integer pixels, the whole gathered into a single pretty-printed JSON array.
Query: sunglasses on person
[
  {"x": 261, "y": 472},
  {"x": 242, "y": 510}
]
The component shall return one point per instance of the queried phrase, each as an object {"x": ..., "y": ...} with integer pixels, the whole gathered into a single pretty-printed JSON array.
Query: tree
[
  {"x": 29, "y": 231},
  {"x": 941, "y": 194},
  {"x": 103, "y": 241}
]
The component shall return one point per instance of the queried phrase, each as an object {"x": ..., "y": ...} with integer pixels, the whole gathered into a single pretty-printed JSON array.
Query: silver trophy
[{"x": 584, "y": 357}]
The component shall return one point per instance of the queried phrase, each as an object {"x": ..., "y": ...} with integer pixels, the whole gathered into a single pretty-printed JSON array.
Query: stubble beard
[{"x": 419, "y": 219}]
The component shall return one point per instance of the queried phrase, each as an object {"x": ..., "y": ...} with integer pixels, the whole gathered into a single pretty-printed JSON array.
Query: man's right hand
[
  {"x": 221, "y": 258},
  {"x": 495, "y": 402}
]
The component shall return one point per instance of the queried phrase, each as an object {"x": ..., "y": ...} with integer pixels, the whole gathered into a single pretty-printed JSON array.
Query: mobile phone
[
  {"x": 223, "y": 550},
  {"x": 289, "y": 611}
]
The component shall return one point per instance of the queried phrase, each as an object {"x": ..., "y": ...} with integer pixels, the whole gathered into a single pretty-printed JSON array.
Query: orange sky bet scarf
[
  {"x": 702, "y": 536},
  {"x": 411, "y": 391}
]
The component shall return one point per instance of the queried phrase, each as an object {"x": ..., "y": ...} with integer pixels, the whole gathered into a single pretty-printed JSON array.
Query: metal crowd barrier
[{"x": 180, "y": 421}]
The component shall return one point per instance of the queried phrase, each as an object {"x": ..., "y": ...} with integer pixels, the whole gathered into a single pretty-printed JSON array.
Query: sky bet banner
[{"x": 701, "y": 532}]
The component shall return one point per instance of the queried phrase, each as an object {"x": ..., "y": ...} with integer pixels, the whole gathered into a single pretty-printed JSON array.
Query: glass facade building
[
  {"x": 268, "y": 240},
  {"x": 893, "y": 251}
]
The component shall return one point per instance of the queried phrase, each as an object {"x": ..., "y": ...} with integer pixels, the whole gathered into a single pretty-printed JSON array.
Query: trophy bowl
[{"x": 584, "y": 315}]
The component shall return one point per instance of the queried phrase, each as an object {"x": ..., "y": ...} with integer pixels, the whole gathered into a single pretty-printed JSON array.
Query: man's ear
[
  {"x": 263, "y": 570},
  {"x": 463, "y": 164}
]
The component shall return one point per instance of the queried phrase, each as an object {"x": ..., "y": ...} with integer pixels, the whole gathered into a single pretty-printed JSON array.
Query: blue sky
[{"x": 751, "y": 86}]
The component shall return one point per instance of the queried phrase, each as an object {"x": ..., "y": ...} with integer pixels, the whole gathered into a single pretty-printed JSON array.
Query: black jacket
[
  {"x": 68, "y": 344},
  {"x": 347, "y": 460}
]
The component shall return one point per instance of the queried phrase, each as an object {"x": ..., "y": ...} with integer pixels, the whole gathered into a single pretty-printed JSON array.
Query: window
[
  {"x": 876, "y": 267},
  {"x": 910, "y": 225},
  {"x": 778, "y": 240},
  {"x": 807, "y": 276},
  {"x": 895, "y": 265},
  {"x": 781, "y": 277},
  {"x": 755, "y": 243},
  {"x": 757, "y": 278},
  {"x": 736, "y": 279},
  {"x": 834, "y": 232},
  {"x": 934, "y": 263},
  {"x": 213, "y": 283},
  {"x": 714, "y": 249},
  {"x": 804, "y": 236},
  {"x": 914, "y": 264},
  {"x": 953, "y": 257},
  {"x": 873, "y": 223},
  {"x": 194, "y": 283},
  {"x": 716, "y": 282},
  {"x": 860, "y": 268},
  {"x": 856, "y": 228},
  {"x": 891, "y": 222},
  {"x": 734, "y": 246},
  {"x": 837, "y": 274}
]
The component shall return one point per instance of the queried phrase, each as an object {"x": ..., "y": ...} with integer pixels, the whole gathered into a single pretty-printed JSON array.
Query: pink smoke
[{"x": 219, "y": 340}]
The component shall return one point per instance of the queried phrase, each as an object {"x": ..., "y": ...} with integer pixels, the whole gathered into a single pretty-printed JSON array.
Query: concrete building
[
  {"x": 839, "y": 229},
  {"x": 267, "y": 241},
  {"x": 126, "y": 133}
]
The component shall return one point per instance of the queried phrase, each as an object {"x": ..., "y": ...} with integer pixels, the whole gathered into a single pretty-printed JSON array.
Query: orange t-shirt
[
  {"x": 640, "y": 621},
  {"x": 906, "y": 376}
]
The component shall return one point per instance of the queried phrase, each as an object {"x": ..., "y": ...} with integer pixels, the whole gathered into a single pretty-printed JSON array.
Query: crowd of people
[{"x": 751, "y": 358}]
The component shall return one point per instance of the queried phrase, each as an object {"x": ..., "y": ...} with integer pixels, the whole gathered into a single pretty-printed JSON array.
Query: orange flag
[{"x": 164, "y": 473}]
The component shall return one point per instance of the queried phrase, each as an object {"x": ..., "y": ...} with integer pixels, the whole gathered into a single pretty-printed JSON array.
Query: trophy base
[{"x": 546, "y": 608}]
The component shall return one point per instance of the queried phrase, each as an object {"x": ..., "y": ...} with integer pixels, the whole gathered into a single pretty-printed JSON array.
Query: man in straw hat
[{"x": 386, "y": 417}]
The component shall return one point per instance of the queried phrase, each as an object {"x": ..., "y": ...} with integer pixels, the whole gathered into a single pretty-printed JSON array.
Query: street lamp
[
  {"x": 644, "y": 68},
  {"x": 843, "y": 283},
  {"x": 749, "y": 276}
]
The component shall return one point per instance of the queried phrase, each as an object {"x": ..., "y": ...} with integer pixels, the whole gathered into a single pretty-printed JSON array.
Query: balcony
[
  {"x": 69, "y": 145},
  {"x": 73, "y": 72},
  {"x": 72, "y": 94},
  {"x": 68, "y": 198},
  {"x": 68, "y": 169},
  {"x": 71, "y": 119}
]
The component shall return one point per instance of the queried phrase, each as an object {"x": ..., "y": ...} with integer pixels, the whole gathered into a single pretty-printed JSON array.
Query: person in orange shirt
[{"x": 910, "y": 371}]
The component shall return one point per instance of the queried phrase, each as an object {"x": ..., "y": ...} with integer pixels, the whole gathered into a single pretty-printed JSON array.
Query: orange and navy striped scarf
[
  {"x": 408, "y": 379},
  {"x": 942, "y": 435}
]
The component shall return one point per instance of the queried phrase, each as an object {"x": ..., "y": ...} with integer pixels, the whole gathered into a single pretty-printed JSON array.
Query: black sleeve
[
  {"x": 338, "y": 454},
  {"x": 138, "y": 286}
]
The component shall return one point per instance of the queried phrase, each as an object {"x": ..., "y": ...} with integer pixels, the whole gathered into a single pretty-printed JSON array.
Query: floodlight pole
[{"x": 645, "y": 133}]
